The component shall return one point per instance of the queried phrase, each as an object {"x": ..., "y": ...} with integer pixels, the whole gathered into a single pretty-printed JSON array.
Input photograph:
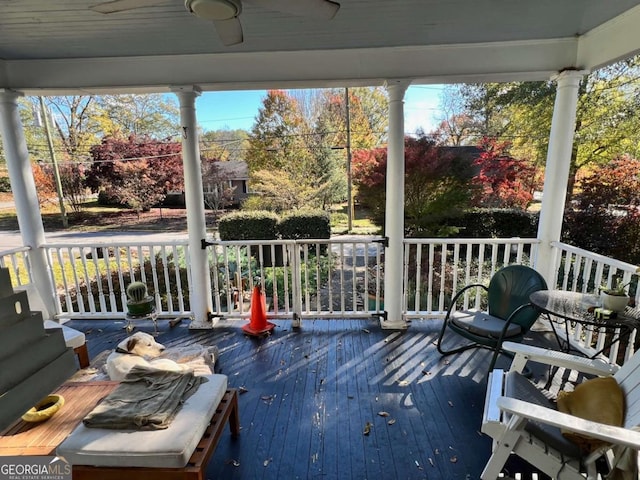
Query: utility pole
[
  {"x": 349, "y": 176},
  {"x": 56, "y": 172}
]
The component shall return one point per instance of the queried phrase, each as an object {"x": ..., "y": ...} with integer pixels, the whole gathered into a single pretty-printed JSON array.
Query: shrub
[
  {"x": 5, "y": 185},
  {"x": 305, "y": 224},
  {"x": 248, "y": 225},
  {"x": 494, "y": 223}
]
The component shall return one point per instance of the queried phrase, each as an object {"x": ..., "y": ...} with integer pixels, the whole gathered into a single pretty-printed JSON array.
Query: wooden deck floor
[{"x": 311, "y": 392}]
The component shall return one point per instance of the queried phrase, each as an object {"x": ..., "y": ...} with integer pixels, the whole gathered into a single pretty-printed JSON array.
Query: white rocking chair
[{"x": 520, "y": 419}]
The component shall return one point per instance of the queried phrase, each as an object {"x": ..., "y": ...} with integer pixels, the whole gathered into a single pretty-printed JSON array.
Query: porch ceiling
[{"x": 51, "y": 46}]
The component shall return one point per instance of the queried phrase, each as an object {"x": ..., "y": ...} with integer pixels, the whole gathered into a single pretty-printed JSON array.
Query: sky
[{"x": 238, "y": 109}]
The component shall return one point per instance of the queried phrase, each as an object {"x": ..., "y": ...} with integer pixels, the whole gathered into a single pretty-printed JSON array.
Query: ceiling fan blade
[
  {"x": 122, "y": 5},
  {"x": 325, "y": 9},
  {"x": 229, "y": 31}
]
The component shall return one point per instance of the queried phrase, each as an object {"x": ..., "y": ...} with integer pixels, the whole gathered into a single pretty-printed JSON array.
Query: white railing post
[{"x": 293, "y": 252}]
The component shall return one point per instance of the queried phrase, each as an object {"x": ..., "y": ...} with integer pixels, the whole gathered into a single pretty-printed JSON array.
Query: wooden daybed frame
[{"x": 24, "y": 438}]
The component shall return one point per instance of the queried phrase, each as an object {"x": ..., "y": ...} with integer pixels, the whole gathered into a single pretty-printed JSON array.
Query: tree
[
  {"x": 151, "y": 115},
  {"x": 137, "y": 187},
  {"x": 605, "y": 218},
  {"x": 276, "y": 139},
  {"x": 75, "y": 118},
  {"x": 503, "y": 181},
  {"x": 606, "y": 117},
  {"x": 456, "y": 126},
  {"x": 437, "y": 185},
  {"x": 156, "y": 167},
  {"x": 218, "y": 192},
  {"x": 225, "y": 145},
  {"x": 291, "y": 167}
]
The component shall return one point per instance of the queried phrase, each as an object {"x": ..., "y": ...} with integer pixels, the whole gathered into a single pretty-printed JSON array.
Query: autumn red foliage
[
  {"x": 156, "y": 166},
  {"x": 503, "y": 181}
]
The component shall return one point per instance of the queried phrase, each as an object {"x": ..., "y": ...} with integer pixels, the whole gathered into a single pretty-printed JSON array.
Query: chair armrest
[
  {"x": 608, "y": 433},
  {"x": 524, "y": 353}
]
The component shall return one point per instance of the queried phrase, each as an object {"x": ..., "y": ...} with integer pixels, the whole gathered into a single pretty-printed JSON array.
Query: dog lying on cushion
[{"x": 139, "y": 349}]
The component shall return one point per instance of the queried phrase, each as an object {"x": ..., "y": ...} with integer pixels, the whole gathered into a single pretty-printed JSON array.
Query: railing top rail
[
  {"x": 332, "y": 240},
  {"x": 14, "y": 250},
  {"x": 111, "y": 244},
  {"x": 596, "y": 256},
  {"x": 470, "y": 241}
]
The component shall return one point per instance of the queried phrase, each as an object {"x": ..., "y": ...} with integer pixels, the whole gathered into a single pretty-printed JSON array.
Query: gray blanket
[{"x": 147, "y": 399}]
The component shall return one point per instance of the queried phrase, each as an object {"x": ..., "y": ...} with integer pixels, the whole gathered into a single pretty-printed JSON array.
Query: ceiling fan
[{"x": 225, "y": 13}]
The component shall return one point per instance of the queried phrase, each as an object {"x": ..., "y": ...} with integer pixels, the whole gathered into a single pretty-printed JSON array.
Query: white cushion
[
  {"x": 72, "y": 338},
  {"x": 169, "y": 448}
]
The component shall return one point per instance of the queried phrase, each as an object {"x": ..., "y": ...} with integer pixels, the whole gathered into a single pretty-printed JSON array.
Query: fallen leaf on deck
[
  {"x": 367, "y": 429},
  {"x": 383, "y": 414}
]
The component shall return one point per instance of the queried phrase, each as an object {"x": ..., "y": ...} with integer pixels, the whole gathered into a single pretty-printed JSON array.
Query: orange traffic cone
[{"x": 258, "y": 324}]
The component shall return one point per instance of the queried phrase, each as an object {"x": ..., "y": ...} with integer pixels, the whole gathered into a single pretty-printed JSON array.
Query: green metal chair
[{"x": 509, "y": 315}]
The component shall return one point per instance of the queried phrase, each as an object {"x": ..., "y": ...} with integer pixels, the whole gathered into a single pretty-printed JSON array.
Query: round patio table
[{"x": 571, "y": 308}]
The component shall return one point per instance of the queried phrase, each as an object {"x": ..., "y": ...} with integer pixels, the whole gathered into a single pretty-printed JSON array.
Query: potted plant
[{"x": 615, "y": 297}]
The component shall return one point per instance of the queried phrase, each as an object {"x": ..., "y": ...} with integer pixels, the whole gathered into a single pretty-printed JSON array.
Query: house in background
[
  {"x": 236, "y": 174},
  {"x": 233, "y": 174}
]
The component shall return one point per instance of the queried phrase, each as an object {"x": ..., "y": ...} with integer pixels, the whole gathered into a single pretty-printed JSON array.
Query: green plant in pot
[
  {"x": 138, "y": 301},
  {"x": 615, "y": 297}
]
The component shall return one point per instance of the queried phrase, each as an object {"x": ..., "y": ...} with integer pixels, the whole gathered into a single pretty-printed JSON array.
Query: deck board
[{"x": 310, "y": 391}]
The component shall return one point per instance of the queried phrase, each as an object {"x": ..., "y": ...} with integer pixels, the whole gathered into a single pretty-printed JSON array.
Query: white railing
[
  {"x": 300, "y": 278},
  {"x": 91, "y": 281},
  {"x": 436, "y": 268},
  {"x": 579, "y": 270},
  {"x": 17, "y": 261}
]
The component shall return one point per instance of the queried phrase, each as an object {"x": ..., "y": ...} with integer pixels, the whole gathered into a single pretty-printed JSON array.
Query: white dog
[{"x": 139, "y": 349}]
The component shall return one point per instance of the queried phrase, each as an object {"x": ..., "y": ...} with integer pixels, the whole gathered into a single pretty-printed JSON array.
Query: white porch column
[
  {"x": 394, "y": 208},
  {"x": 556, "y": 174},
  {"x": 26, "y": 199},
  {"x": 200, "y": 294}
]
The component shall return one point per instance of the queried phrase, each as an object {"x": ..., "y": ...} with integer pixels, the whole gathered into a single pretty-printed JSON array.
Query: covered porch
[{"x": 341, "y": 366}]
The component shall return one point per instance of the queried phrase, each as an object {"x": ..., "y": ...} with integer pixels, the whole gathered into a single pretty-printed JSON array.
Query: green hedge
[
  {"x": 305, "y": 224},
  {"x": 248, "y": 225},
  {"x": 266, "y": 225},
  {"x": 494, "y": 223}
]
